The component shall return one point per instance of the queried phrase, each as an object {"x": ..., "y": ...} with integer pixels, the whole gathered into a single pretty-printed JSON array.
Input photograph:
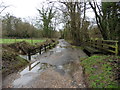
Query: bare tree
[
  {"x": 3, "y": 7},
  {"x": 75, "y": 13}
]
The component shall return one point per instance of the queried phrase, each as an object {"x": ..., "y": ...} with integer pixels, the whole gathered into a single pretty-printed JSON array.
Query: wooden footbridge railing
[
  {"x": 104, "y": 45},
  {"x": 40, "y": 49}
]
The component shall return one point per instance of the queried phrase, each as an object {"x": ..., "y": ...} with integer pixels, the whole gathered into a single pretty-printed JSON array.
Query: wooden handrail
[
  {"x": 40, "y": 49},
  {"x": 101, "y": 44}
]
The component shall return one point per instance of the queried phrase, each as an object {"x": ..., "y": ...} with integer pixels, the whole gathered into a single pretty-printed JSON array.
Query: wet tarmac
[{"x": 59, "y": 65}]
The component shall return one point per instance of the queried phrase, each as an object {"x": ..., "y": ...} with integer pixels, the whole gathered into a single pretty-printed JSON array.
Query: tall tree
[
  {"x": 76, "y": 20},
  {"x": 107, "y": 18},
  {"x": 47, "y": 14}
]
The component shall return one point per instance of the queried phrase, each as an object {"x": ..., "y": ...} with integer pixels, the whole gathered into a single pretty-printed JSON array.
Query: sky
[
  {"x": 22, "y": 8},
  {"x": 28, "y": 8}
]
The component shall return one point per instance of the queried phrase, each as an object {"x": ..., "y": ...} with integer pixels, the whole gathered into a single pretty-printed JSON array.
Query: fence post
[
  {"x": 40, "y": 49},
  {"x": 116, "y": 49},
  {"x": 29, "y": 56},
  {"x": 30, "y": 66}
]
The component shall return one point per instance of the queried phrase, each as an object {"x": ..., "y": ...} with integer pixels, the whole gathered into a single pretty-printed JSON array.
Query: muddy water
[{"x": 62, "y": 60}]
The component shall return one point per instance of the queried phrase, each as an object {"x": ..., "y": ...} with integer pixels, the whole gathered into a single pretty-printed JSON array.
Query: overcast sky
[
  {"x": 26, "y": 8},
  {"x": 22, "y": 8}
]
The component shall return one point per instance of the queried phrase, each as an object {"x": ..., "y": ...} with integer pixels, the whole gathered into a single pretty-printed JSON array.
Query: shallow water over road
[{"x": 58, "y": 68}]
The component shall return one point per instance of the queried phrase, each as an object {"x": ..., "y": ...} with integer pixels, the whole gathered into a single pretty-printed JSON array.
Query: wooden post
[
  {"x": 29, "y": 56},
  {"x": 95, "y": 44},
  {"x": 40, "y": 49},
  {"x": 116, "y": 49},
  {"x": 30, "y": 66}
]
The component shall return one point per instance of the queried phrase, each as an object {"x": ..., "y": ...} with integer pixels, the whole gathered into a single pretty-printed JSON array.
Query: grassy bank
[
  {"x": 32, "y": 41},
  {"x": 11, "y": 62},
  {"x": 101, "y": 71}
]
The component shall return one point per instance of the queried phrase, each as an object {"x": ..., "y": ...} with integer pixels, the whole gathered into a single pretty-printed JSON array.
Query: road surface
[{"x": 58, "y": 68}]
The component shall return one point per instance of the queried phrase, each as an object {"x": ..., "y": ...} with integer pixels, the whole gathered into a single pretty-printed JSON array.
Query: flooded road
[{"x": 57, "y": 68}]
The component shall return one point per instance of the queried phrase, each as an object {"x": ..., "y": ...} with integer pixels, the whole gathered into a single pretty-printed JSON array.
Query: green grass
[
  {"x": 99, "y": 71},
  {"x": 8, "y": 41}
]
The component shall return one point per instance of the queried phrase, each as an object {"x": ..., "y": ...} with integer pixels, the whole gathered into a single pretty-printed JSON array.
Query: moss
[{"x": 99, "y": 71}]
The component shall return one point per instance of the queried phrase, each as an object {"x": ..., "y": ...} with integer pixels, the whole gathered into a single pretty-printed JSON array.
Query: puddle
[
  {"x": 45, "y": 66},
  {"x": 60, "y": 67},
  {"x": 59, "y": 58},
  {"x": 22, "y": 81},
  {"x": 28, "y": 75},
  {"x": 58, "y": 48},
  {"x": 68, "y": 68}
]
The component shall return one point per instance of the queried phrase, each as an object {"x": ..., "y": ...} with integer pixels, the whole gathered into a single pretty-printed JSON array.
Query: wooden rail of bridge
[
  {"x": 40, "y": 49},
  {"x": 104, "y": 45}
]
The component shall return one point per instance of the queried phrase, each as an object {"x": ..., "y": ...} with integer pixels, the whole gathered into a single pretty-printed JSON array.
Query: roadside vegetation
[{"x": 101, "y": 71}]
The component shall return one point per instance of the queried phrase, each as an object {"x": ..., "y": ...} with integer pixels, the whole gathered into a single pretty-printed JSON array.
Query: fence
[
  {"x": 42, "y": 48},
  {"x": 104, "y": 45}
]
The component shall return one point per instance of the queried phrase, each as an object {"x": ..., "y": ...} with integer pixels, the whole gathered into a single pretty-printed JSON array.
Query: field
[{"x": 32, "y": 41}]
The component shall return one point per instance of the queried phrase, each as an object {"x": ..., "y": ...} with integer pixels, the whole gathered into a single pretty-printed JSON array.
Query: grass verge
[
  {"x": 32, "y": 41},
  {"x": 101, "y": 71}
]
